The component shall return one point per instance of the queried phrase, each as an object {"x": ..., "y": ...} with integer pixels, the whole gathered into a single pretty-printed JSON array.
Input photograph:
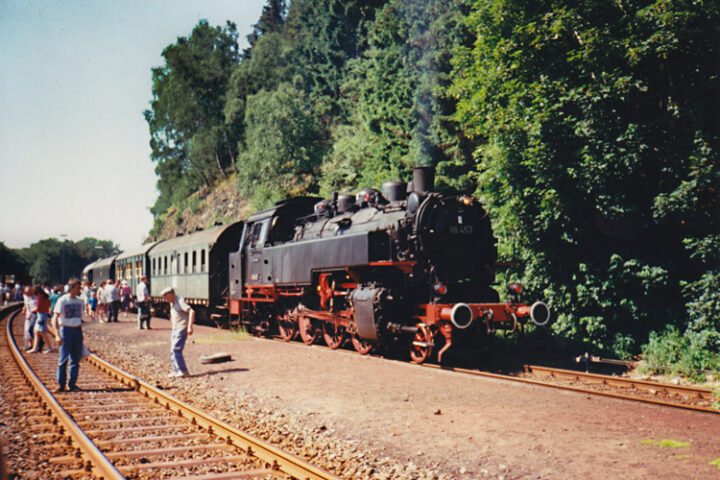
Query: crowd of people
[{"x": 65, "y": 308}]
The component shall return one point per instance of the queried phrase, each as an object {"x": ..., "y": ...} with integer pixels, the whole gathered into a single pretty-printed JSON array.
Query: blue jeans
[
  {"x": 177, "y": 343},
  {"x": 41, "y": 322},
  {"x": 71, "y": 349}
]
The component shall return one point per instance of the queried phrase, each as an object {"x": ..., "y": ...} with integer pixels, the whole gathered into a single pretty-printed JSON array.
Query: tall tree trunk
[
  {"x": 198, "y": 169},
  {"x": 220, "y": 167},
  {"x": 232, "y": 157}
]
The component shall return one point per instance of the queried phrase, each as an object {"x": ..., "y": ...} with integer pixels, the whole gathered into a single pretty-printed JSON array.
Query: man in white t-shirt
[
  {"x": 182, "y": 317},
  {"x": 142, "y": 300},
  {"x": 112, "y": 297},
  {"x": 67, "y": 322}
]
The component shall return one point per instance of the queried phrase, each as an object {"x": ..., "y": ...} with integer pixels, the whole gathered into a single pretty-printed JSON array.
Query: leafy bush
[{"x": 690, "y": 354}]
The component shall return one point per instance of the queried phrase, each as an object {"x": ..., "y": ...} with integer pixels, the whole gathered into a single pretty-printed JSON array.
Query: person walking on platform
[
  {"x": 29, "y": 308},
  {"x": 42, "y": 310},
  {"x": 67, "y": 322},
  {"x": 125, "y": 294},
  {"x": 142, "y": 294},
  {"x": 182, "y": 317},
  {"x": 112, "y": 296},
  {"x": 102, "y": 303}
]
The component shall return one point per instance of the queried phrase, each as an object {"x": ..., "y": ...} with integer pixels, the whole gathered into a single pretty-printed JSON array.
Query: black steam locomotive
[{"x": 405, "y": 265}]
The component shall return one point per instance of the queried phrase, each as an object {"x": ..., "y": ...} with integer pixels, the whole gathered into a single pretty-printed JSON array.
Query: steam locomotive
[
  {"x": 405, "y": 266},
  {"x": 401, "y": 266}
]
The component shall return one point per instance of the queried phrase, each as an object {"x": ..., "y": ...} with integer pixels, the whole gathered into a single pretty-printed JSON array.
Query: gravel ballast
[{"x": 366, "y": 417}]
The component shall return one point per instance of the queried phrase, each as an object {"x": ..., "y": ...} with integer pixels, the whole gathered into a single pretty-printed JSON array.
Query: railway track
[
  {"x": 675, "y": 396},
  {"x": 118, "y": 426},
  {"x": 668, "y": 395}
]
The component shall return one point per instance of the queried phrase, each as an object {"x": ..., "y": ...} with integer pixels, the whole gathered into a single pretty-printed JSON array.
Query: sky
[{"x": 75, "y": 79}]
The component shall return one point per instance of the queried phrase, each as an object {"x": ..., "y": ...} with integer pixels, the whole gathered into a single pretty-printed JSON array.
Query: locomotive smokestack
[{"x": 423, "y": 179}]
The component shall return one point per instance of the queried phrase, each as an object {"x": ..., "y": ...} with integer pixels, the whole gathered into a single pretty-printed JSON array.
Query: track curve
[{"x": 121, "y": 427}]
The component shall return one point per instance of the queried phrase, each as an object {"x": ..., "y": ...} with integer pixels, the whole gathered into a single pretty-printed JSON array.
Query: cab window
[{"x": 258, "y": 234}]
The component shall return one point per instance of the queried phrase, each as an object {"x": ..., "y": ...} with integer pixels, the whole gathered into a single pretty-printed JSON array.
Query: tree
[
  {"x": 271, "y": 20},
  {"x": 597, "y": 124},
  {"x": 395, "y": 92},
  {"x": 11, "y": 263},
  {"x": 189, "y": 139},
  {"x": 52, "y": 262},
  {"x": 281, "y": 155}
]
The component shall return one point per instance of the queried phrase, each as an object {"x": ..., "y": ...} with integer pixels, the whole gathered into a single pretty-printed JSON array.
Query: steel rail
[
  {"x": 280, "y": 460},
  {"x": 96, "y": 461},
  {"x": 577, "y": 389},
  {"x": 649, "y": 386}
]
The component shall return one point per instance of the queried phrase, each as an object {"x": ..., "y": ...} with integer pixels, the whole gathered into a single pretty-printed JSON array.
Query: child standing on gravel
[
  {"x": 182, "y": 317},
  {"x": 93, "y": 304}
]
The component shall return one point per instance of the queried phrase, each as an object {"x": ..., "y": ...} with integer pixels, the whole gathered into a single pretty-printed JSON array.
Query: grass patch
[
  {"x": 223, "y": 336},
  {"x": 665, "y": 443},
  {"x": 715, "y": 462}
]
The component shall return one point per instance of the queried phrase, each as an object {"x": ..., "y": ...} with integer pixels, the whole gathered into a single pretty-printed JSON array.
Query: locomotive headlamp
[{"x": 466, "y": 200}]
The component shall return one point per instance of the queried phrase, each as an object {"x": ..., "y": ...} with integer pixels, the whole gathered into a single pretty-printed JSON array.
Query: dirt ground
[{"x": 406, "y": 421}]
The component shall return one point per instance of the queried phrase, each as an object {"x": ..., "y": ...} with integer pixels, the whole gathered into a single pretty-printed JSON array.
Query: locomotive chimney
[{"x": 423, "y": 179}]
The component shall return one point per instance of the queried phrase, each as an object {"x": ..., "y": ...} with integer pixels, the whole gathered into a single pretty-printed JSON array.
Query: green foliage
[
  {"x": 690, "y": 354},
  {"x": 11, "y": 262},
  {"x": 271, "y": 20},
  {"x": 400, "y": 111},
  {"x": 597, "y": 146},
  {"x": 281, "y": 152},
  {"x": 189, "y": 139},
  {"x": 53, "y": 262}
]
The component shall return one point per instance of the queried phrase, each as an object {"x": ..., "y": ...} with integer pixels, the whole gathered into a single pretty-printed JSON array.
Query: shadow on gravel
[
  {"x": 102, "y": 390},
  {"x": 217, "y": 372}
]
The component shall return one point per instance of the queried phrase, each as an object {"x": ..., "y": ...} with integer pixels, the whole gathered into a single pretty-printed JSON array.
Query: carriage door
[{"x": 256, "y": 265}]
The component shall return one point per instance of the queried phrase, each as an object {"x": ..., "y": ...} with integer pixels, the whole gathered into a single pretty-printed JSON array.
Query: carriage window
[
  {"x": 185, "y": 267},
  {"x": 202, "y": 260},
  {"x": 194, "y": 260},
  {"x": 154, "y": 272},
  {"x": 165, "y": 270}
]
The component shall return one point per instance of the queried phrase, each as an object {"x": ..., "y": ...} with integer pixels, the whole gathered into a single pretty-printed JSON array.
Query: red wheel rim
[
  {"x": 363, "y": 347},
  {"x": 287, "y": 330},
  {"x": 286, "y": 326},
  {"x": 308, "y": 333},
  {"x": 334, "y": 336},
  {"x": 421, "y": 346}
]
